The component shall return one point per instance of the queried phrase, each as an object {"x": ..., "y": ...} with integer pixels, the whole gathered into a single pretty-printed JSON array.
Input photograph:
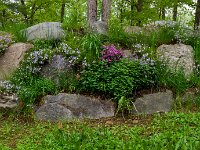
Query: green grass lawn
[{"x": 167, "y": 131}]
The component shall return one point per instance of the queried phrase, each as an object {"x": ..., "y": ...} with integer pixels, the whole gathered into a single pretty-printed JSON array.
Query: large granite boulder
[
  {"x": 154, "y": 103},
  {"x": 45, "y": 31},
  {"x": 177, "y": 56},
  {"x": 12, "y": 57},
  {"x": 72, "y": 106}
]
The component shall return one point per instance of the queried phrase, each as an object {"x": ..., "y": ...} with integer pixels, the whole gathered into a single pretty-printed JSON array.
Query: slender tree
[
  {"x": 106, "y": 9},
  {"x": 92, "y": 11},
  {"x": 197, "y": 16},
  {"x": 24, "y": 11},
  {"x": 33, "y": 10},
  {"x": 62, "y": 11},
  {"x": 175, "y": 10},
  {"x": 139, "y": 7}
]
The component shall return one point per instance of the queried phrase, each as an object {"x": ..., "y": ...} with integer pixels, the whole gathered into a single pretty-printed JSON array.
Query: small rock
[
  {"x": 154, "y": 103},
  {"x": 100, "y": 27},
  {"x": 188, "y": 97},
  {"x": 8, "y": 102},
  {"x": 135, "y": 121},
  {"x": 109, "y": 122}
]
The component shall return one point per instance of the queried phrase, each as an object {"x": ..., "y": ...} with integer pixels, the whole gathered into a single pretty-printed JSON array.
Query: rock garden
[{"x": 100, "y": 86}]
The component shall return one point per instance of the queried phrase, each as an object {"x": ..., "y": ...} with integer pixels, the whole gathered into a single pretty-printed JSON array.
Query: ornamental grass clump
[{"x": 111, "y": 54}]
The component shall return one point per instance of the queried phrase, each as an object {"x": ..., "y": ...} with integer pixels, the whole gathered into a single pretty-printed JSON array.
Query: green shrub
[
  {"x": 117, "y": 78},
  {"x": 68, "y": 82},
  {"x": 117, "y": 35},
  {"x": 175, "y": 80},
  {"x": 38, "y": 87}
]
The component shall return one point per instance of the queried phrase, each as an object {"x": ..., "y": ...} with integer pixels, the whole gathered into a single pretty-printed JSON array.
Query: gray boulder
[
  {"x": 100, "y": 27},
  {"x": 178, "y": 56},
  {"x": 45, "y": 31},
  {"x": 72, "y": 106},
  {"x": 55, "y": 67},
  {"x": 154, "y": 103}
]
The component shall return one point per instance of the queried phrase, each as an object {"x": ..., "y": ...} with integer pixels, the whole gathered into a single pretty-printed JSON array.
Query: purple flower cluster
[{"x": 110, "y": 54}]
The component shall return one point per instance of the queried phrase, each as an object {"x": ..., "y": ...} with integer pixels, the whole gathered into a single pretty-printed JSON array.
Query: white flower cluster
[
  {"x": 72, "y": 55},
  {"x": 7, "y": 87},
  {"x": 143, "y": 56},
  {"x": 36, "y": 59},
  {"x": 5, "y": 41}
]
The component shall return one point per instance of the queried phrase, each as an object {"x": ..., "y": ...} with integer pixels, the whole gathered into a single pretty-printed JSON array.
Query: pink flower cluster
[{"x": 110, "y": 54}]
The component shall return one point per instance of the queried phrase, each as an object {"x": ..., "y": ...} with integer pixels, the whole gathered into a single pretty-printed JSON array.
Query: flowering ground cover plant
[
  {"x": 111, "y": 54},
  {"x": 31, "y": 84},
  {"x": 5, "y": 41}
]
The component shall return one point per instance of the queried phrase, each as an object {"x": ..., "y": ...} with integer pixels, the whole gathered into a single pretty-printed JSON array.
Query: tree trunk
[
  {"x": 4, "y": 18},
  {"x": 139, "y": 10},
  {"x": 106, "y": 9},
  {"x": 62, "y": 11},
  {"x": 24, "y": 12},
  {"x": 160, "y": 13},
  {"x": 122, "y": 11},
  {"x": 92, "y": 11},
  {"x": 132, "y": 11},
  {"x": 175, "y": 11},
  {"x": 32, "y": 12},
  {"x": 197, "y": 16},
  {"x": 163, "y": 13}
]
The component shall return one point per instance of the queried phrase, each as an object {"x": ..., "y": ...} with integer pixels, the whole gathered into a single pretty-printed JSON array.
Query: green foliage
[
  {"x": 16, "y": 30},
  {"x": 124, "y": 104},
  {"x": 75, "y": 18},
  {"x": 117, "y": 35},
  {"x": 68, "y": 82},
  {"x": 175, "y": 80},
  {"x": 194, "y": 41},
  {"x": 91, "y": 46},
  {"x": 117, "y": 78},
  {"x": 37, "y": 88},
  {"x": 170, "y": 131}
]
